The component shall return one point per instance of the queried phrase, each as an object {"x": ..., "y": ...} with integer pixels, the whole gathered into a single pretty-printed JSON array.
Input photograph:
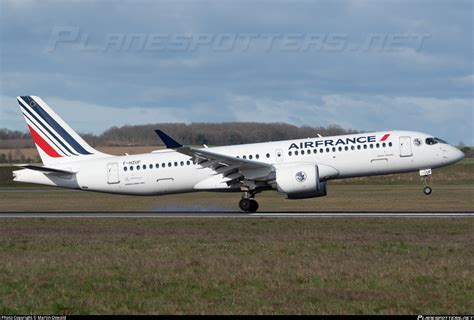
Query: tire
[
  {"x": 248, "y": 205},
  {"x": 427, "y": 190},
  {"x": 245, "y": 205},
  {"x": 254, "y": 206}
]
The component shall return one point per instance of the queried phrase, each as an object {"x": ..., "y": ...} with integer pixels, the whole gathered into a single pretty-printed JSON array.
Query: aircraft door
[
  {"x": 279, "y": 155},
  {"x": 405, "y": 147},
  {"x": 112, "y": 173}
]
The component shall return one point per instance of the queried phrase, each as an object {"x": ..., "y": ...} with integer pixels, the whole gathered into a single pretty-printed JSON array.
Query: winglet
[{"x": 169, "y": 142}]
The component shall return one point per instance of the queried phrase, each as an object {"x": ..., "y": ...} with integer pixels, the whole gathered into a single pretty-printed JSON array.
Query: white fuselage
[{"x": 167, "y": 171}]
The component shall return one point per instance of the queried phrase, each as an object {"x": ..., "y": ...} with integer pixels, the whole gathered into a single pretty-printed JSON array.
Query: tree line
[{"x": 213, "y": 134}]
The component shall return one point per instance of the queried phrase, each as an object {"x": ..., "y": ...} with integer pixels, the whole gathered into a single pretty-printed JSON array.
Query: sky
[{"x": 364, "y": 65}]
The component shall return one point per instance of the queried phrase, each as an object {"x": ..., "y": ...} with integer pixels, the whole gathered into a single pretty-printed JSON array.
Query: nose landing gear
[
  {"x": 427, "y": 190},
  {"x": 425, "y": 175},
  {"x": 248, "y": 203}
]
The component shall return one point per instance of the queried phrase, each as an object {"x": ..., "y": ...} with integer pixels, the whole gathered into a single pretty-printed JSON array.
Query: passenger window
[
  {"x": 138, "y": 167},
  {"x": 389, "y": 144},
  {"x": 257, "y": 156},
  {"x": 358, "y": 147},
  {"x": 124, "y": 168},
  {"x": 333, "y": 149},
  {"x": 188, "y": 162},
  {"x": 157, "y": 165},
  {"x": 340, "y": 148},
  {"x": 163, "y": 165},
  {"x": 175, "y": 164},
  {"x": 244, "y": 157},
  {"x": 327, "y": 149},
  {"x": 131, "y": 168},
  {"x": 371, "y": 146},
  {"x": 377, "y": 145},
  {"x": 144, "y": 166},
  {"x": 365, "y": 146},
  {"x": 150, "y": 166},
  {"x": 169, "y": 164},
  {"x": 302, "y": 152},
  {"x": 352, "y": 147},
  {"x": 346, "y": 148},
  {"x": 309, "y": 151},
  {"x": 268, "y": 155},
  {"x": 181, "y": 163},
  {"x": 315, "y": 151},
  {"x": 289, "y": 153},
  {"x": 321, "y": 150},
  {"x": 250, "y": 157},
  {"x": 296, "y": 153},
  {"x": 384, "y": 145}
]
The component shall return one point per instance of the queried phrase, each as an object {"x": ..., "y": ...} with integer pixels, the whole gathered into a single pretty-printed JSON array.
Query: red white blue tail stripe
[{"x": 51, "y": 134}]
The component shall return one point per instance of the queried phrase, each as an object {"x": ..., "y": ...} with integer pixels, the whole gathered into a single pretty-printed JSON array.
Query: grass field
[
  {"x": 340, "y": 198},
  {"x": 242, "y": 266},
  {"x": 264, "y": 266},
  {"x": 453, "y": 190}
]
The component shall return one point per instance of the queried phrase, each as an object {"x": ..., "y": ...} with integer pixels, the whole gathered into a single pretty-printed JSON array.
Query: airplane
[{"x": 299, "y": 168}]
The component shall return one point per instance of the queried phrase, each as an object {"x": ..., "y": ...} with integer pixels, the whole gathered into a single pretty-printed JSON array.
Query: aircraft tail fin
[{"x": 55, "y": 140}]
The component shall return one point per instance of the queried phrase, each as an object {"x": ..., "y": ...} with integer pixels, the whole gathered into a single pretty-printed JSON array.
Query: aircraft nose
[{"x": 457, "y": 155}]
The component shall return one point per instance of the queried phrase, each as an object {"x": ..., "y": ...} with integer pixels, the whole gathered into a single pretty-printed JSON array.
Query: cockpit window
[
  {"x": 433, "y": 140},
  {"x": 440, "y": 140}
]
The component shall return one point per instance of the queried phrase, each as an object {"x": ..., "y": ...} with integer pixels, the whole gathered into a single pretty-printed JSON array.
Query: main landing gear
[
  {"x": 248, "y": 203},
  {"x": 425, "y": 174}
]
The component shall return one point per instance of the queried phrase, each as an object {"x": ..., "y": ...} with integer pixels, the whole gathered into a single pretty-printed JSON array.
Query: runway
[{"x": 235, "y": 215}]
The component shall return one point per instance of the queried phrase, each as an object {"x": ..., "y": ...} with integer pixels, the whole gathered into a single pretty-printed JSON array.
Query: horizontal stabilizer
[
  {"x": 169, "y": 142},
  {"x": 46, "y": 169}
]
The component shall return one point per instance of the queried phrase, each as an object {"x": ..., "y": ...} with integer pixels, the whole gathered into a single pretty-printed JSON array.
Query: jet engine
[{"x": 300, "y": 181}]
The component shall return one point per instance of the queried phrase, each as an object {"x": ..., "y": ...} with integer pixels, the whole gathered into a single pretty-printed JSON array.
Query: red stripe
[
  {"x": 385, "y": 137},
  {"x": 43, "y": 144}
]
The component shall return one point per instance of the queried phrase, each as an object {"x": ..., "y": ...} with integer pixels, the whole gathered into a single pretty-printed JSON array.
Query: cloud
[
  {"x": 447, "y": 118},
  {"x": 464, "y": 81},
  {"x": 450, "y": 118},
  {"x": 95, "y": 118},
  {"x": 362, "y": 89}
]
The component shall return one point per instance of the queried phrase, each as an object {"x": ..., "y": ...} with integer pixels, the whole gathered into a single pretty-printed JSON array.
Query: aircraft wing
[{"x": 232, "y": 168}]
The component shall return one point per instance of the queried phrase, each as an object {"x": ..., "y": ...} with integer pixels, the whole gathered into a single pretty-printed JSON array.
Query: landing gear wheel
[
  {"x": 254, "y": 206},
  {"x": 425, "y": 174},
  {"x": 248, "y": 205},
  {"x": 245, "y": 205},
  {"x": 427, "y": 190}
]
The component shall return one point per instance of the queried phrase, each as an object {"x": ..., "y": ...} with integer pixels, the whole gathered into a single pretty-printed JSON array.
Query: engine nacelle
[{"x": 300, "y": 181}]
